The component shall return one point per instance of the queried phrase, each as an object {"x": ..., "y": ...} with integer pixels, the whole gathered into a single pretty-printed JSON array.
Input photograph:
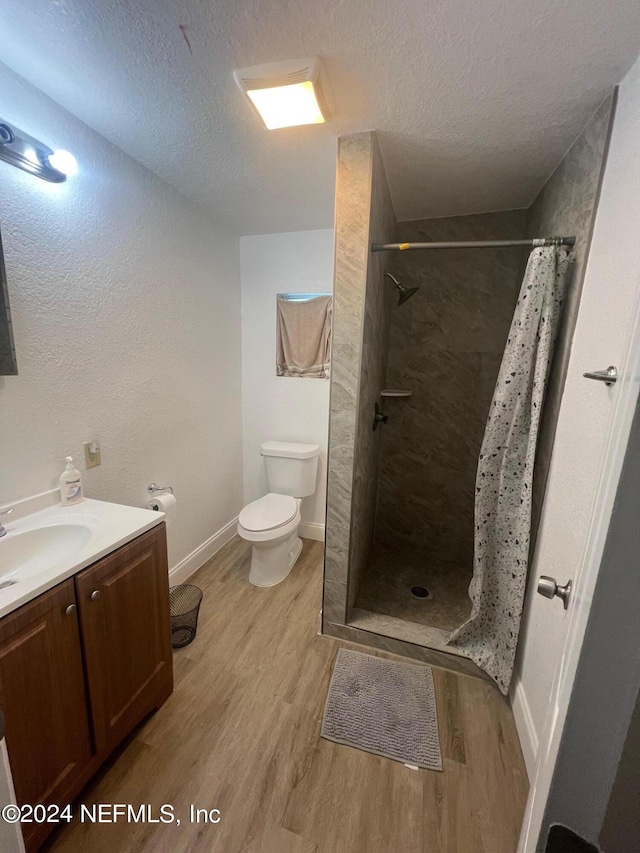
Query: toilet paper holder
[{"x": 153, "y": 488}]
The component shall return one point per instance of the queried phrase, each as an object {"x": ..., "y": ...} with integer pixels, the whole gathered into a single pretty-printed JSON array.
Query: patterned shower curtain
[{"x": 505, "y": 471}]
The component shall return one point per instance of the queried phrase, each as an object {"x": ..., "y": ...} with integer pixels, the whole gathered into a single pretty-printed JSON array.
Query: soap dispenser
[{"x": 70, "y": 485}]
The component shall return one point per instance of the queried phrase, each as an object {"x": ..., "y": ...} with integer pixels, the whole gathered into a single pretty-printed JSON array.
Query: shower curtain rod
[{"x": 477, "y": 244}]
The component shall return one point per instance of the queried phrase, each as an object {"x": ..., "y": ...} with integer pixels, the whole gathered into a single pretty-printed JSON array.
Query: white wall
[
  {"x": 126, "y": 306},
  {"x": 586, "y": 421},
  {"x": 281, "y": 408}
]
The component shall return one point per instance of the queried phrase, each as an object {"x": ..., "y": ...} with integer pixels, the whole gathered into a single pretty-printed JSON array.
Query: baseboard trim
[
  {"x": 192, "y": 562},
  {"x": 311, "y": 530},
  {"x": 526, "y": 729}
]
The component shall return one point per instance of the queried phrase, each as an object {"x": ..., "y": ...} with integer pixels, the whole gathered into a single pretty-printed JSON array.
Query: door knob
[
  {"x": 549, "y": 588},
  {"x": 95, "y": 594},
  {"x": 607, "y": 376},
  {"x": 70, "y": 609}
]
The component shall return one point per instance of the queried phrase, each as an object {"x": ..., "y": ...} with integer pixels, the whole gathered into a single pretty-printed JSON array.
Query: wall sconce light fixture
[{"x": 25, "y": 152}]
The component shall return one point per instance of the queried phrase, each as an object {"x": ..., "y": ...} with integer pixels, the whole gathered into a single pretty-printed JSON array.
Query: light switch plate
[{"x": 91, "y": 460}]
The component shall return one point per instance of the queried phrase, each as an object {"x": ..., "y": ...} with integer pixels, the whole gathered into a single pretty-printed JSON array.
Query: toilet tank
[{"x": 291, "y": 467}]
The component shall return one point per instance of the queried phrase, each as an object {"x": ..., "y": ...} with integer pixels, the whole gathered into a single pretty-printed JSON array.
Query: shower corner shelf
[{"x": 395, "y": 392}]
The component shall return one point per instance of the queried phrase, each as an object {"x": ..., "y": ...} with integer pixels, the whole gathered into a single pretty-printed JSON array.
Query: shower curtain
[{"x": 505, "y": 471}]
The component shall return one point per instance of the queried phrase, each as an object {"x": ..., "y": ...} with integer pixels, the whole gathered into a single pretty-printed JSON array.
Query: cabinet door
[
  {"x": 124, "y": 619},
  {"x": 43, "y": 697}
]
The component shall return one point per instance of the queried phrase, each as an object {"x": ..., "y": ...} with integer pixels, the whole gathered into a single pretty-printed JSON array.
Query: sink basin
[
  {"x": 46, "y": 544},
  {"x": 27, "y": 553}
]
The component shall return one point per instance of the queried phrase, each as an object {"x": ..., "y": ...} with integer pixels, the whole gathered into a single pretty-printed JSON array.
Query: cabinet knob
[
  {"x": 70, "y": 609},
  {"x": 95, "y": 594}
]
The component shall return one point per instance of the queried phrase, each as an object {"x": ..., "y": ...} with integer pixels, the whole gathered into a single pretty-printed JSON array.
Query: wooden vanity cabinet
[
  {"x": 80, "y": 666},
  {"x": 123, "y": 603},
  {"x": 42, "y": 694}
]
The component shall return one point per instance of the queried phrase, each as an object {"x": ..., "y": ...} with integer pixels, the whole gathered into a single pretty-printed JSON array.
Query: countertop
[{"x": 109, "y": 527}]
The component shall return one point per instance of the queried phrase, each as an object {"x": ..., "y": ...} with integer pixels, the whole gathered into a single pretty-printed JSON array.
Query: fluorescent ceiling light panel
[
  {"x": 287, "y": 94},
  {"x": 287, "y": 106}
]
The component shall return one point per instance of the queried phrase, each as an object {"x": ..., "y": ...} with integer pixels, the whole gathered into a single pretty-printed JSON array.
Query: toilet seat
[{"x": 268, "y": 513}]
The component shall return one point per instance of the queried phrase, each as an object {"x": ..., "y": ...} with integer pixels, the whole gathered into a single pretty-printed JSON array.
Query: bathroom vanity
[{"x": 83, "y": 661}]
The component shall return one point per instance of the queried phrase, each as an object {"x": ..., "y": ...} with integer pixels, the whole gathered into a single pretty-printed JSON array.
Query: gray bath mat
[{"x": 384, "y": 707}]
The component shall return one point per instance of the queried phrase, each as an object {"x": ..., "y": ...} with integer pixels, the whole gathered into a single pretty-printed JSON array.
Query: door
[
  {"x": 124, "y": 617},
  {"x": 593, "y": 431},
  {"x": 10, "y": 834},
  {"x": 43, "y": 698}
]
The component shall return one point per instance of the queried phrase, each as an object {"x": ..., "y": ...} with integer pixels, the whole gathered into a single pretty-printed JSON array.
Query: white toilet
[{"x": 271, "y": 523}]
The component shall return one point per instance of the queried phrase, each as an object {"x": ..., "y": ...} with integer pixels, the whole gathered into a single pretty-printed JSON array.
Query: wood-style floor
[{"x": 241, "y": 733}]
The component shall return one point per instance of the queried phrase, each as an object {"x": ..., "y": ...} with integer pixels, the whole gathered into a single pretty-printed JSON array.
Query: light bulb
[
  {"x": 63, "y": 161},
  {"x": 287, "y": 106},
  {"x": 31, "y": 155}
]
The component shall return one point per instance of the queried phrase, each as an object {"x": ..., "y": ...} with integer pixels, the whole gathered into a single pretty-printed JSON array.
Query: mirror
[{"x": 8, "y": 361}]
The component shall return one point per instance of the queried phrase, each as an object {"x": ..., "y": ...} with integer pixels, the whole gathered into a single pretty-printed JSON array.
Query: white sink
[
  {"x": 30, "y": 552},
  {"x": 45, "y": 543}
]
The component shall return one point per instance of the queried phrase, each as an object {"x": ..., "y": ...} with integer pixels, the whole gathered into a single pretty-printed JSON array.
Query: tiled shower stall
[{"x": 400, "y": 499}]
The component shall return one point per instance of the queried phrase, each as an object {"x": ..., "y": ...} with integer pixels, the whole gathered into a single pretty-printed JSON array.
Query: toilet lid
[{"x": 268, "y": 512}]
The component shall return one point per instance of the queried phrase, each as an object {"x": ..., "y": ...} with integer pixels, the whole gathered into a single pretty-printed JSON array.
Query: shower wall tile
[
  {"x": 456, "y": 387},
  {"x": 335, "y": 598},
  {"x": 567, "y": 205},
  {"x": 353, "y": 187},
  {"x": 428, "y": 509},
  {"x": 363, "y": 213},
  {"x": 373, "y": 366},
  {"x": 445, "y": 347}
]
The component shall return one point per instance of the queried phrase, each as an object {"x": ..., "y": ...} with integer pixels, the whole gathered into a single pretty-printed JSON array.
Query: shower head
[{"x": 404, "y": 293}]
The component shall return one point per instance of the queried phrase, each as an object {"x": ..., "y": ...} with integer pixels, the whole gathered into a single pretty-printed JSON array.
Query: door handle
[
  {"x": 550, "y": 589},
  {"x": 608, "y": 376},
  {"x": 70, "y": 609},
  {"x": 95, "y": 595}
]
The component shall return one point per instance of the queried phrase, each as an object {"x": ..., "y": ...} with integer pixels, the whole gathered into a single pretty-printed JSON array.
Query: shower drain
[{"x": 421, "y": 592}]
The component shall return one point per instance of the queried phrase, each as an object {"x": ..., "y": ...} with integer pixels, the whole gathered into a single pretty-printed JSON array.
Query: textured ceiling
[{"x": 475, "y": 102}]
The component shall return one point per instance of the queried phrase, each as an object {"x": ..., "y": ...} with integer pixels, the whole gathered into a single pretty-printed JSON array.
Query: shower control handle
[
  {"x": 379, "y": 417},
  {"x": 549, "y": 588}
]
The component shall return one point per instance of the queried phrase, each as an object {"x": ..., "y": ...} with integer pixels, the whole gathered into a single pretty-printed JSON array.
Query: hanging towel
[
  {"x": 304, "y": 337},
  {"x": 505, "y": 472}
]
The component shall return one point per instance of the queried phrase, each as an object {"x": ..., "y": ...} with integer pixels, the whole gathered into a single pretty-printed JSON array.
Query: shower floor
[{"x": 386, "y": 589}]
